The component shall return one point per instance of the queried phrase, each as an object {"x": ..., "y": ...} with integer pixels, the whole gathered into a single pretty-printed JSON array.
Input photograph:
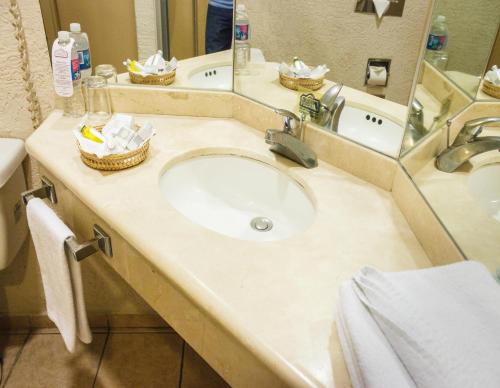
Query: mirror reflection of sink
[
  {"x": 372, "y": 130},
  {"x": 239, "y": 197},
  {"x": 214, "y": 77},
  {"x": 484, "y": 185}
]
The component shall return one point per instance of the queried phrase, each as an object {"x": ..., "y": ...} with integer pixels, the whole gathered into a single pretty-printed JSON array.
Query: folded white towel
[
  {"x": 61, "y": 277},
  {"x": 369, "y": 357},
  {"x": 442, "y": 322}
]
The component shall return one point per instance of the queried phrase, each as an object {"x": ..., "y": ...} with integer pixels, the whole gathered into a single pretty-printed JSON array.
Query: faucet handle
[
  {"x": 291, "y": 121},
  {"x": 473, "y": 128}
]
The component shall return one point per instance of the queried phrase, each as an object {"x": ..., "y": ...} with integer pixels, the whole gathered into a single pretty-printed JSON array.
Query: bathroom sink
[
  {"x": 484, "y": 185},
  {"x": 239, "y": 197},
  {"x": 214, "y": 77},
  {"x": 372, "y": 130}
]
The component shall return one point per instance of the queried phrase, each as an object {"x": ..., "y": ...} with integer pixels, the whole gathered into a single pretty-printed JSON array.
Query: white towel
[
  {"x": 369, "y": 357},
  {"x": 442, "y": 322},
  {"x": 61, "y": 277}
]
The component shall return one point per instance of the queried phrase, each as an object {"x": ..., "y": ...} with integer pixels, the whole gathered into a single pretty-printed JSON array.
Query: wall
[
  {"x": 329, "y": 31},
  {"x": 472, "y": 28},
  {"x": 20, "y": 284}
]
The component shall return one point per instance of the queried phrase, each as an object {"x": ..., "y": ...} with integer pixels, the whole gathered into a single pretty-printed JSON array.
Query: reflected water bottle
[{"x": 241, "y": 38}]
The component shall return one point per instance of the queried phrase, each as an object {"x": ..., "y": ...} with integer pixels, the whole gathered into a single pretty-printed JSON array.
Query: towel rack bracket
[
  {"x": 101, "y": 242},
  {"x": 47, "y": 190}
]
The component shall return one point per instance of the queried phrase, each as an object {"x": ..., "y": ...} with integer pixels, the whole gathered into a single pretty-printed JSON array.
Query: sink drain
[{"x": 261, "y": 224}]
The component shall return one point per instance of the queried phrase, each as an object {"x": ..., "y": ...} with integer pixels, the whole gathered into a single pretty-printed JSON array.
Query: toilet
[{"x": 13, "y": 225}]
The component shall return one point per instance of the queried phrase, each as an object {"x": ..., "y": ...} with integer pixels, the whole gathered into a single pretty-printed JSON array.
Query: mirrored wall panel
[
  {"x": 298, "y": 48},
  {"x": 194, "y": 39},
  {"x": 462, "y": 47}
]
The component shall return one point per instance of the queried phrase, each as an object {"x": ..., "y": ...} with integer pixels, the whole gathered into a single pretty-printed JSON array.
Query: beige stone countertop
[
  {"x": 261, "y": 83},
  {"x": 186, "y": 68},
  {"x": 477, "y": 234},
  {"x": 277, "y": 298}
]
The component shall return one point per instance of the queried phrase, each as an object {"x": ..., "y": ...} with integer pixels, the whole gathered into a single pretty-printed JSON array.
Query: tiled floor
[{"x": 115, "y": 359}]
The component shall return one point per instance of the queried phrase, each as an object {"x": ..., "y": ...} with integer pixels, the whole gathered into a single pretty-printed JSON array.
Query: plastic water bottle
[
  {"x": 73, "y": 105},
  {"x": 241, "y": 37},
  {"x": 436, "y": 44},
  {"x": 82, "y": 48}
]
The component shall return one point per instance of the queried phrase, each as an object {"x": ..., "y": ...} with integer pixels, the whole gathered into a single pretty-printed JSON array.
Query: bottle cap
[
  {"x": 241, "y": 8},
  {"x": 441, "y": 18},
  {"x": 75, "y": 27},
  {"x": 63, "y": 35}
]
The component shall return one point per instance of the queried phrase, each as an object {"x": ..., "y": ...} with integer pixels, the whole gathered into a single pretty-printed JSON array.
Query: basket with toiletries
[
  {"x": 154, "y": 71},
  {"x": 300, "y": 76},
  {"x": 491, "y": 82},
  {"x": 118, "y": 145}
]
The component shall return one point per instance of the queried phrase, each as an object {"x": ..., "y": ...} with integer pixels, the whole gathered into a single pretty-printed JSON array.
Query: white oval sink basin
[
  {"x": 372, "y": 130},
  {"x": 215, "y": 77},
  {"x": 238, "y": 197},
  {"x": 484, "y": 185}
]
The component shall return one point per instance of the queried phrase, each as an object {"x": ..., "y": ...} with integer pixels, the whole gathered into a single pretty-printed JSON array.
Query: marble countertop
[
  {"x": 261, "y": 83},
  {"x": 186, "y": 68},
  {"x": 277, "y": 298},
  {"x": 477, "y": 234}
]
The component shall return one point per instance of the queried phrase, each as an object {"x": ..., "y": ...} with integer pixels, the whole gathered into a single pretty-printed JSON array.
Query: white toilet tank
[{"x": 13, "y": 225}]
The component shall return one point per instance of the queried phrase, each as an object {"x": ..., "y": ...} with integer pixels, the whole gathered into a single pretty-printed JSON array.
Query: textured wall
[
  {"x": 20, "y": 284},
  {"x": 472, "y": 27},
  {"x": 329, "y": 31},
  {"x": 145, "y": 21}
]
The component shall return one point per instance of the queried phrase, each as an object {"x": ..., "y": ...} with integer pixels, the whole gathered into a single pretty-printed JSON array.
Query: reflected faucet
[
  {"x": 468, "y": 144},
  {"x": 288, "y": 142},
  {"x": 331, "y": 108}
]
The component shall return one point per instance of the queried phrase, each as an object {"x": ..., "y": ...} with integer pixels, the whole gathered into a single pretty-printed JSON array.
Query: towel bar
[
  {"x": 78, "y": 251},
  {"x": 47, "y": 190}
]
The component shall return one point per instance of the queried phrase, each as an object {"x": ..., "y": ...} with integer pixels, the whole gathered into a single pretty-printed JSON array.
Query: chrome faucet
[
  {"x": 468, "y": 144},
  {"x": 331, "y": 108},
  {"x": 288, "y": 142}
]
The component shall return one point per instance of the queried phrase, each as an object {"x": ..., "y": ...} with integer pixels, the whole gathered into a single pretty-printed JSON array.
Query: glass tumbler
[
  {"x": 98, "y": 104},
  {"x": 108, "y": 72}
]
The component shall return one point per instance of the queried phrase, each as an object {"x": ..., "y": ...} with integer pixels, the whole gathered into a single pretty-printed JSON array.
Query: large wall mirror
[
  {"x": 463, "y": 45},
  {"x": 196, "y": 33},
  {"x": 375, "y": 58}
]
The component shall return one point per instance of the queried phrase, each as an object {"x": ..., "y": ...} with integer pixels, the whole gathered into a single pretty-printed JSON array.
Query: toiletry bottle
[
  {"x": 66, "y": 75},
  {"x": 436, "y": 44},
  {"x": 241, "y": 38},
  {"x": 83, "y": 49}
]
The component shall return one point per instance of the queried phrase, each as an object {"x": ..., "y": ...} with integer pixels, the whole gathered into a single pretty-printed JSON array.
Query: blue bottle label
[
  {"x": 436, "y": 42},
  {"x": 75, "y": 70},
  {"x": 242, "y": 32},
  {"x": 84, "y": 57}
]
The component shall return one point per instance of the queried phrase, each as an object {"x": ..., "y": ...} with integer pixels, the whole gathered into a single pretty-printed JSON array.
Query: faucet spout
[
  {"x": 454, "y": 157},
  {"x": 286, "y": 144}
]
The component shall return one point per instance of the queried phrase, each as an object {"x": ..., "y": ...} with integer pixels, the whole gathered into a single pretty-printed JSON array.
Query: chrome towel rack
[
  {"x": 72, "y": 248},
  {"x": 101, "y": 242},
  {"x": 46, "y": 191}
]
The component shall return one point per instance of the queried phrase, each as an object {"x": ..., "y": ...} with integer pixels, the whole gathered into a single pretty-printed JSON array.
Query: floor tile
[
  {"x": 10, "y": 346},
  {"x": 196, "y": 373},
  {"x": 45, "y": 362},
  {"x": 141, "y": 360}
]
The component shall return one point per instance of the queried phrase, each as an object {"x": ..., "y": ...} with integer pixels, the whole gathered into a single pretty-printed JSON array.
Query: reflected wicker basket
[
  {"x": 115, "y": 162},
  {"x": 301, "y": 83},
  {"x": 491, "y": 89},
  {"x": 152, "y": 79}
]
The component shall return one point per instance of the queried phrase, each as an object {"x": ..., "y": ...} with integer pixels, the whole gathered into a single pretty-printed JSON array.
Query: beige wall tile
[
  {"x": 357, "y": 160},
  {"x": 434, "y": 238},
  {"x": 10, "y": 347}
]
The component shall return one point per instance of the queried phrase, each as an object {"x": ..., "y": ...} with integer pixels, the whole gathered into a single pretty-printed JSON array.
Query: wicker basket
[
  {"x": 305, "y": 83},
  {"x": 116, "y": 162},
  {"x": 152, "y": 79},
  {"x": 491, "y": 89}
]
